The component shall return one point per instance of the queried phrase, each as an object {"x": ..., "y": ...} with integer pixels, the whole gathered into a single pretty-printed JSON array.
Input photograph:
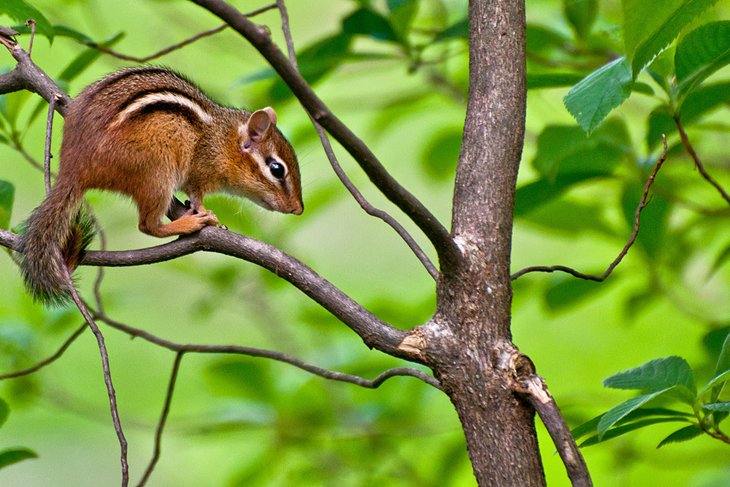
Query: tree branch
[
  {"x": 28, "y": 76},
  {"x": 49, "y": 360},
  {"x": 273, "y": 355},
  {"x": 327, "y": 146},
  {"x": 637, "y": 221},
  {"x": 163, "y": 419},
  {"x": 533, "y": 388},
  {"x": 373, "y": 331},
  {"x": 698, "y": 163},
  {"x": 260, "y": 38}
]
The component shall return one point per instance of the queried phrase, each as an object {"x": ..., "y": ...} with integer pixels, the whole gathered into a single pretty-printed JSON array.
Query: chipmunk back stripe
[{"x": 164, "y": 100}]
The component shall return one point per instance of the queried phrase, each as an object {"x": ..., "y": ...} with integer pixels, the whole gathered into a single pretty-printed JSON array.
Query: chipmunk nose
[{"x": 298, "y": 210}]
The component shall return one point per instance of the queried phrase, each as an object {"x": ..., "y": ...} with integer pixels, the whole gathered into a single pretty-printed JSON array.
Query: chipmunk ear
[{"x": 260, "y": 123}]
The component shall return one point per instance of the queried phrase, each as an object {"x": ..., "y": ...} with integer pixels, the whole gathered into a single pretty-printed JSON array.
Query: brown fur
[{"x": 153, "y": 151}]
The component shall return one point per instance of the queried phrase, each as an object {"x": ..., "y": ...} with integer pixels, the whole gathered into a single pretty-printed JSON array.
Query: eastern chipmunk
[{"x": 147, "y": 132}]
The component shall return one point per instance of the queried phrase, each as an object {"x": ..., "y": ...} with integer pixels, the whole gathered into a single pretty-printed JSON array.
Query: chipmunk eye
[{"x": 278, "y": 170}]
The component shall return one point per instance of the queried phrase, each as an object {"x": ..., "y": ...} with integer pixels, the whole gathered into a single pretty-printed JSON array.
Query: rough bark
[{"x": 474, "y": 293}]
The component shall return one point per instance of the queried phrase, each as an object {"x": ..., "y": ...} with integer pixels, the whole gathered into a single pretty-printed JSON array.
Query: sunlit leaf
[
  {"x": 7, "y": 197},
  {"x": 593, "y": 98},
  {"x": 682, "y": 434},
  {"x": 657, "y": 375},
  {"x": 700, "y": 53},
  {"x": 648, "y": 29},
  {"x": 717, "y": 407}
]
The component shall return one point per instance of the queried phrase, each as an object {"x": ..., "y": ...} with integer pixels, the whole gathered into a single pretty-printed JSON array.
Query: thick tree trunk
[{"x": 474, "y": 292}]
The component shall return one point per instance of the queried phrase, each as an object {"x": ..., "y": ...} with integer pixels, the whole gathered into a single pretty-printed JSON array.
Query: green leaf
[
  {"x": 571, "y": 217},
  {"x": 20, "y": 11},
  {"x": 697, "y": 103},
  {"x": 15, "y": 455},
  {"x": 7, "y": 197},
  {"x": 459, "y": 30},
  {"x": 700, "y": 53},
  {"x": 440, "y": 155},
  {"x": 12, "y": 105},
  {"x": 86, "y": 58},
  {"x": 593, "y": 98},
  {"x": 723, "y": 361},
  {"x": 716, "y": 381},
  {"x": 649, "y": 28},
  {"x": 657, "y": 375},
  {"x": 723, "y": 407},
  {"x": 541, "y": 38},
  {"x": 365, "y": 21},
  {"x": 616, "y": 414},
  {"x": 721, "y": 259},
  {"x": 552, "y": 80},
  {"x": 682, "y": 434},
  {"x": 569, "y": 291},
  {"x": 533, "y": 195},
  {"x": 4, "y": 411},
  {"x": 242, "y": 378},
  {"x": 566, "y": 149},
  {"x": 617, "y": 431},
  {"x": 316, "y": 61},
  {"x": 654, "y": 219},
  {"x": 591, "y": 425},
  {"x": 402, "y": 13},
  {"x": 581, "y": 14}
]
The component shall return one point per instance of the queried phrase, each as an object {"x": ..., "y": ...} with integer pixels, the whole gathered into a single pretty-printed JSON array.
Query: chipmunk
[{"x": 146, "y": 132}]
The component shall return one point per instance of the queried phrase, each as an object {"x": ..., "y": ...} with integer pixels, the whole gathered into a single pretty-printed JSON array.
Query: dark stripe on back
[
  {"x": 164, "y": 106},
  {"x": 141, "y": 94}
]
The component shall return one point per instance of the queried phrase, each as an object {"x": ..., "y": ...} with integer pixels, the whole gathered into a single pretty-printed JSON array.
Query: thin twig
[
  {"x": 327, "y": 146},
  {"x": 637, "y": 219},
  {"x": 107, "y": 376},
  {"x": 270, "y": 354},
  {"x": 47, "y": 361},
  {"x": 30, "y": 23},
  {"x": 177, "y": 46},
  {"x": 47, "y": 152},
  {"x": 163, "y": 419},
  {"x": 698, "y": 163},
  {"x": 160, "y": 53}
]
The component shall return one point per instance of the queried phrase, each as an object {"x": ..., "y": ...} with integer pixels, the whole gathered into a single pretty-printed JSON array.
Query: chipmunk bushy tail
[{"x": 54, "y": 238}]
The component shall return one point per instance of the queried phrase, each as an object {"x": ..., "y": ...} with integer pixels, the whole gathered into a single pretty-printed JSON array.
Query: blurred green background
[{"x": 240, "y": 421}]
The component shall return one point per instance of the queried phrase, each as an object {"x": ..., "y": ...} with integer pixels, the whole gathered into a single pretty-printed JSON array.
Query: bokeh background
[{"x": 240, "y": 421}]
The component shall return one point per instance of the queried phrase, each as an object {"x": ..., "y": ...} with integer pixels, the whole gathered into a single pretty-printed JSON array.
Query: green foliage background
[{"x": 399, "y": 83}]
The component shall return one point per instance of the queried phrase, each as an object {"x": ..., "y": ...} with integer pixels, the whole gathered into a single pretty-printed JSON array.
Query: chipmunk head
[{"x": 274, "y": 180}]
